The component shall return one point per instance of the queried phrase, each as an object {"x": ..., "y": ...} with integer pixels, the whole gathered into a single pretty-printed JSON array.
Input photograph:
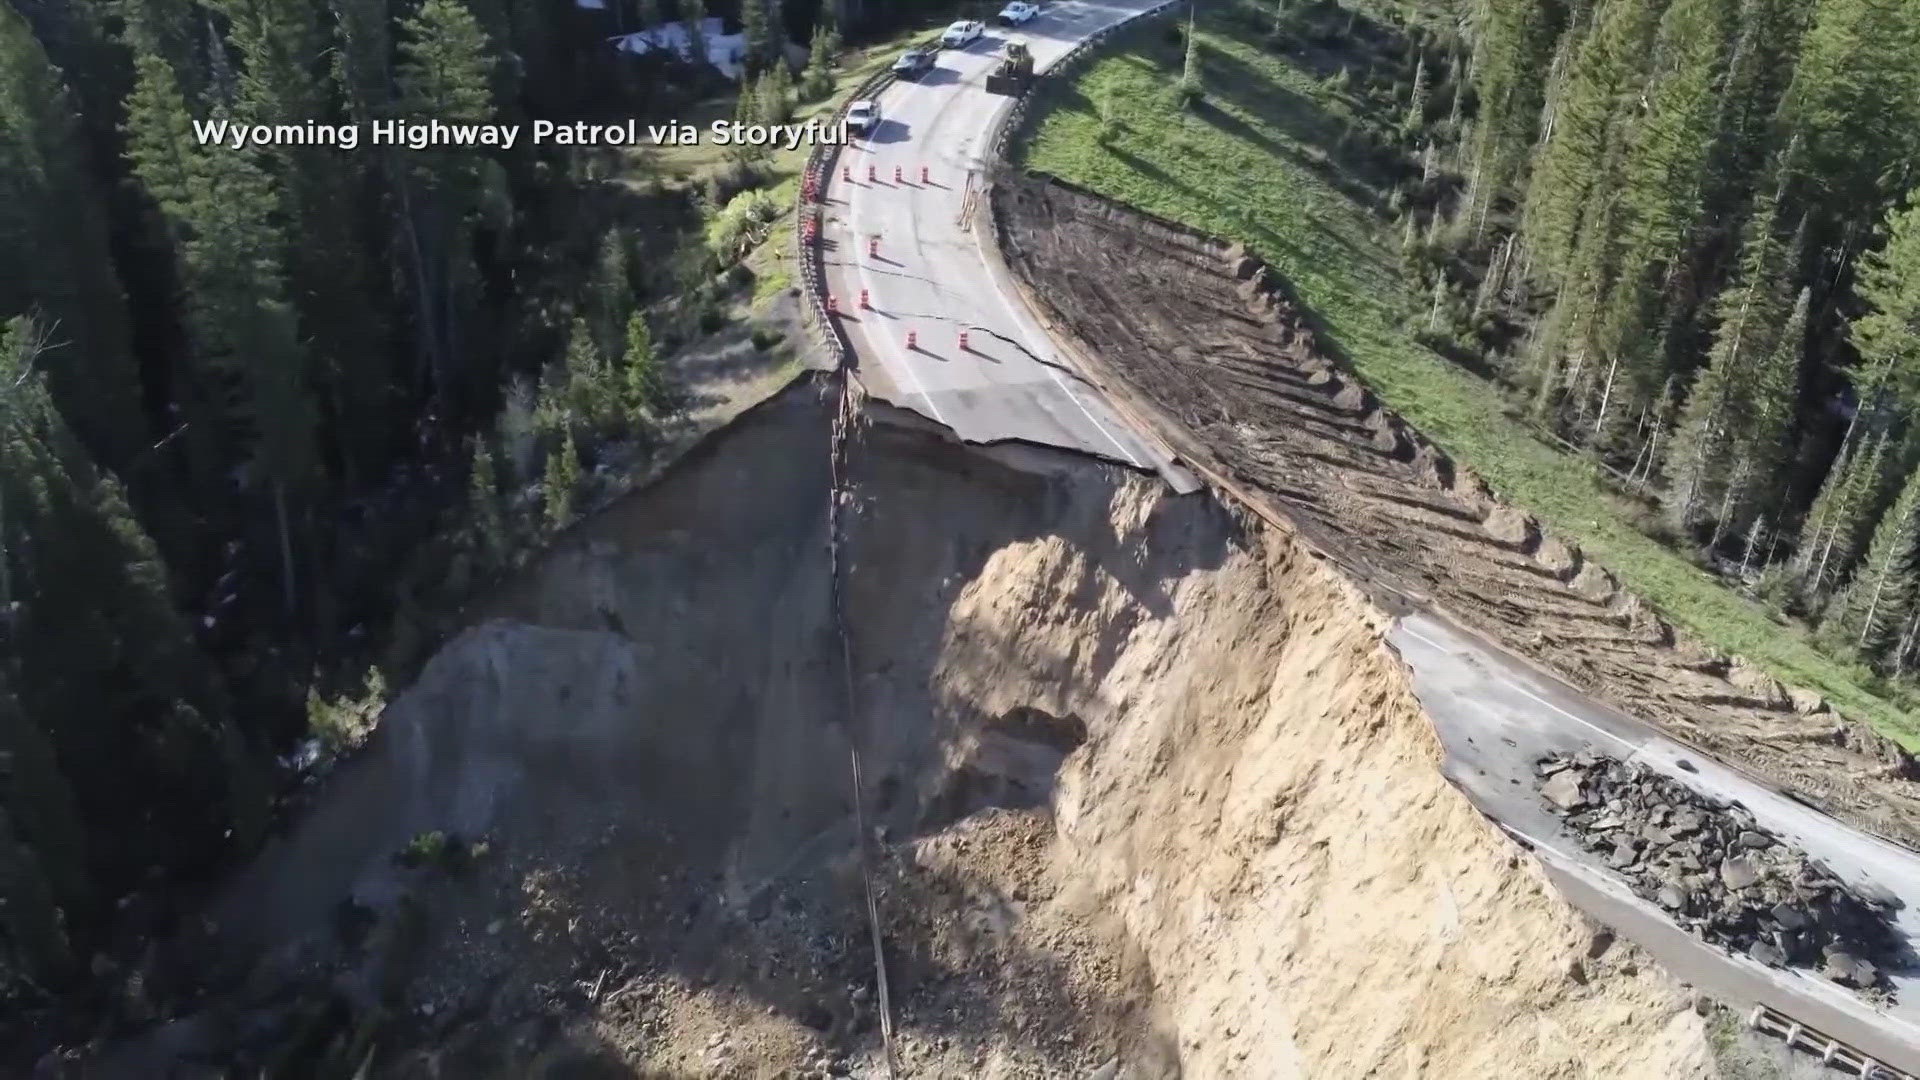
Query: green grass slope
[{"x": 1254, "y": 165}]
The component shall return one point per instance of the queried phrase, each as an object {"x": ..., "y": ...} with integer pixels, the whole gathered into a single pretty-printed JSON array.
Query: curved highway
[{"x": 912, "y": 247}]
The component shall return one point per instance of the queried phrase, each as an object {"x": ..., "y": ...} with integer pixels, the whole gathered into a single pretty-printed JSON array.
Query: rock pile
[{"x": 1719, "y": 874}]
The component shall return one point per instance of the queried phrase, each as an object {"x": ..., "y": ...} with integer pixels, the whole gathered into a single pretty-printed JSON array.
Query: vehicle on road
[
  {"x": 863, "y": 117},
  {"x": 963, "y": 33},
  {"x": 1018, "y": 14},
  {"x": 913, "y": 63},
  {"x": 1015, "y": 70}
]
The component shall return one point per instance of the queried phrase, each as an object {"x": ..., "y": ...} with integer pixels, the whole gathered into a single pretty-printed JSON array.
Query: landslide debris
[
  {"x": 1720, "y": 874},
  {"x": 1206, "y": 341},
  {"x": 1155, "y": 800}
]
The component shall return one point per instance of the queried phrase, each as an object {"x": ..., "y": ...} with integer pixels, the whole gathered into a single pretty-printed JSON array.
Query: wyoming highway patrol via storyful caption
[{"x": 436, "y": 134}]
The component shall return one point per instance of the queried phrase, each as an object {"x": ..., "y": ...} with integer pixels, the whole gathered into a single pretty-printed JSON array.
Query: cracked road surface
[
  {"x": 1496, "y": 718},
  {"x": 931, "y": 277}
]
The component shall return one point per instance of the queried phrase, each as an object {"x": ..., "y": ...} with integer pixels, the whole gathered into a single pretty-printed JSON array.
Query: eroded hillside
[{"x": 1147, "y": 789}]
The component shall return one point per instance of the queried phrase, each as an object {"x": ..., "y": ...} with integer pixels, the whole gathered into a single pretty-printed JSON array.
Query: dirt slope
[
  {"x": 1153, "y": 798},
  {"x": 1203, "y": 338}
]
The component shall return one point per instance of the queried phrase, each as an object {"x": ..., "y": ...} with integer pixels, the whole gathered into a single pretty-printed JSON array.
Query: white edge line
[{"x": 1633, "y": 746}]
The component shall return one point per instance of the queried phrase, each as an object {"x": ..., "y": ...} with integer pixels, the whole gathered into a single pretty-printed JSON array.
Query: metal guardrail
[
  {"x": 1832, "y": 1052},
  {"x": 1064, "y": 64},
  {"x": 821, "y": 160},
  {"x": 810, "y": 256}
]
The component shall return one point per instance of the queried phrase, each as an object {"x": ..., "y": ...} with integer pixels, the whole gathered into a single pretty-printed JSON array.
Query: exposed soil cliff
[{"x": 1153, "y": 800}]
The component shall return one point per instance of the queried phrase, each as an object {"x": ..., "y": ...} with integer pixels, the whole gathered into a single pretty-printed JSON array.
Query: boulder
[
  {"x": 1739, "y": 872},
  {"x": 1563, "y": 790}
]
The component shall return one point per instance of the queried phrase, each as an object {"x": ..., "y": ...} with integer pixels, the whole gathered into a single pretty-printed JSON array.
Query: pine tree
[
  {"x": 1887, "y": 333},
  {"x": 762, "y": 47},
  {"x": 330, "y": 274},
  {"x": 774, "y": 95},
  {"x": 222, "y": 209},
  {"x": 611, "y": 292},
  {"x": 642, "y": 391},
  {"x": 145, "y": 764},
  {"x": 693, "y": 14},
  {"x": 818, "y": 79},
  {"x": 1839, "y": 516},
  {"x": 1513, "y": 43},
  {"x": 483, "y": 506},
  {"x": 1772, "y": 393},
  {"x": 1854, "y": 104},
  {"x": 593, "y": 395},
  {"x": 1868, "y": 614},
  {"x": 362, "y": 55},
  {"x": 172, "y": 30},
  {"x": 746, "y": 107},
  {"x": 1760, "y": 67},
  {"x": 561, "y": 483},
  {"x": 1661, "y": 184},
  {"x": 1588, "y": 130},
  {"x": 1416, "y": 119},
  {"x": 444, "y": 73},
  {"x": 1733, "y": 414},
  {"x": 51, "y": 211}
]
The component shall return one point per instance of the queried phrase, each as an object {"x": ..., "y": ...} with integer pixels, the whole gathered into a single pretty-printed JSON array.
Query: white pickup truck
[
  {"x": 963, "y": 33},
  {"x": 1017, "y": 13}
]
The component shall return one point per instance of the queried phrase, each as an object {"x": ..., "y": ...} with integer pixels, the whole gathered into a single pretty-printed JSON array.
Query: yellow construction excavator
[{"x": 1015, "y": 70}]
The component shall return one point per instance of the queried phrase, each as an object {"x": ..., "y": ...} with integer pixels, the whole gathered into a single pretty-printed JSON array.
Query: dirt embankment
[
  {"x": 1202, "y": 338},
  {"x": 1153, "y": 800}
]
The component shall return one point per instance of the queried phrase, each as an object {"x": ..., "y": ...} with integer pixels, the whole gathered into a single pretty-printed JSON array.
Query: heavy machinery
[{"x": 1015, "y": 70}]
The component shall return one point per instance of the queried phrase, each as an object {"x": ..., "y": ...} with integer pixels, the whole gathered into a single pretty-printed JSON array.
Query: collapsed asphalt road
[
  {"x": 1722, "y": 874},
  {"x": 1498, "y": 717},
  {"x": 908, "y": 244},
  {"x": 897, "y": 229}
]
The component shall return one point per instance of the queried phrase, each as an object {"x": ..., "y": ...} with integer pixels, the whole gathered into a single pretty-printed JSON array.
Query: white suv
[
  {"x": 963, "y": 33},
  {"x": 1017, "y": 13}
]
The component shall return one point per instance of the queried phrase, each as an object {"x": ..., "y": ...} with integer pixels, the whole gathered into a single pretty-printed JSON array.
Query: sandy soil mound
[
  {"x": 1153, "y": 800},
  {"x": 1204, "y": 339}
]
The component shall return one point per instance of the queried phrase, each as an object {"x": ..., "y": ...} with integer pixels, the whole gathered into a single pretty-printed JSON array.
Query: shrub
[
  {"x": 441, "y": 851},
  {"x": 765, "y": 338},
  {"x": 731, "y": 229},
  {"x": 712, "y": 319},
  {"x": 344, "y": 722},
  {"x": 728, "y": 179}
]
